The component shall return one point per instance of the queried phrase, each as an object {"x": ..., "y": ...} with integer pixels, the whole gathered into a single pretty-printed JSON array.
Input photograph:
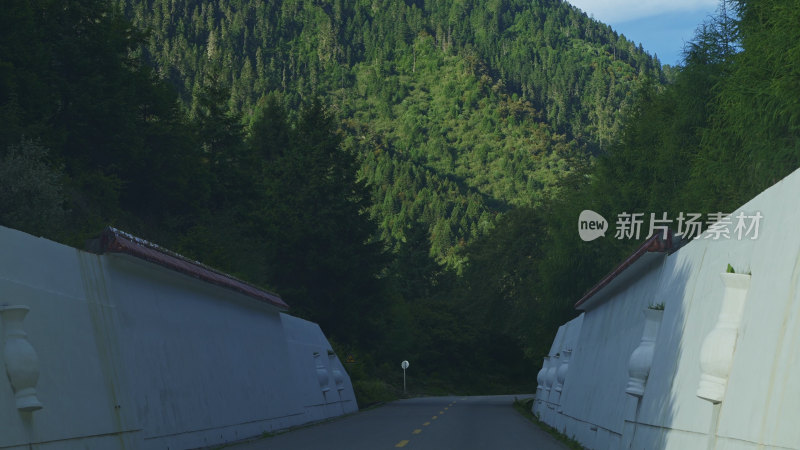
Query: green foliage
[
  {"x": 716, "y": 136},
  {"x": 69, "y": 78},
  {"x": 407, "y": 174},
  {"x": 372, "y": 391},
  {"x": 525, "y": 408},
  {"x": 458, "y": 111},
  {"x": 452, "y": 161},
  {"x": 752, "y": 141},
  {"x": 724, "y": 130},
  {"x": 502, "y": 280},
  {"x": 32, "y": 196},
  {"x": 319, "y": 241}
]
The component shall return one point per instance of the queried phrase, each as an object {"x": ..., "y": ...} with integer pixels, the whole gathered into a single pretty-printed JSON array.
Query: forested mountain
[
  {"x": 407, "y": 174},
  {"x": 577, "y": 70},
  {"x": 458, "y": 110},
  {"x": 349, "y": 155},
  {"x": 726, "y": 128}
]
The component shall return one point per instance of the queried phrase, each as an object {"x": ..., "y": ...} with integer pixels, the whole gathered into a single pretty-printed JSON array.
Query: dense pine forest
[{"x": 408, "y": 174}]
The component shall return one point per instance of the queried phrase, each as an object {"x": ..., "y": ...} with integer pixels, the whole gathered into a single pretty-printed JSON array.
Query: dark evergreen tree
[{"x": 322, "y": 253}]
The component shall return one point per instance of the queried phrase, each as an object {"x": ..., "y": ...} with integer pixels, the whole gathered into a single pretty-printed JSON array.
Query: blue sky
[{"x": 662, "y": 27}]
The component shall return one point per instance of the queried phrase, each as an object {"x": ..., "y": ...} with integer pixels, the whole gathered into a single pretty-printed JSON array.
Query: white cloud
[{"x": 618, "y": 11}]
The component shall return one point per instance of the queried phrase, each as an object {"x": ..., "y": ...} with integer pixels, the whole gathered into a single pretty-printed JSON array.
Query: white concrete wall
[
  {"x": 547, "y": 404},
  {"x": 309, "y": 349},
  {"x": 75, "y": 385},
  {"x": 761, "y": 405},
  {"x": 132, "y": 355}
]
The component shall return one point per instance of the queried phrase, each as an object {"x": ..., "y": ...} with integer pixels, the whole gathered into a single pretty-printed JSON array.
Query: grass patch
[
  {"x": 371, "y": 391},
  {"x": 524, "y": 408}
]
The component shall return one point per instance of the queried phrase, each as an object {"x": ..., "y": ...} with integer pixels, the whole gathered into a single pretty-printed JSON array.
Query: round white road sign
[{"x": 404, "y": 365}]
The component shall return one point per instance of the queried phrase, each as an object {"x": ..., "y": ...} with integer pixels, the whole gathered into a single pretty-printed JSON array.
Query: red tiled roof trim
[
  {"x": 654, "y": 244},
  {"x": 115, "y": 241}
]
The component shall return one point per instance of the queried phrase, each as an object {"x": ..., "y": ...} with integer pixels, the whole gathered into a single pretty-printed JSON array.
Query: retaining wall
[
  {"x": 752, "y": 356},
  {"x": 129, "y": 354}
]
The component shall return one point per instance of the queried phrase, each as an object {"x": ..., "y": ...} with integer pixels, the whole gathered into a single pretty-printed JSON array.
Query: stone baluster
[
  {"x": 716, "y": 354},
  {"x": 22, "y": 363},
  {"x": 541, "y": 376},
  {"x": 642, "y": 357},
  {"x": 561, "y": 372},
  {"x": 322, "y": 373},
  {"x": 550, "y": 381}
]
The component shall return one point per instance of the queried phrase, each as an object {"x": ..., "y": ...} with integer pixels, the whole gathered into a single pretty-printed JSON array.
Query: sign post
[{"x": 404, "y": 365}]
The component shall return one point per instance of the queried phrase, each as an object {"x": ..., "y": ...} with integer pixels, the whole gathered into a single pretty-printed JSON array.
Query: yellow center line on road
[
  {"x": 434, "y": 417},
  {"x": 417, "y": 431},
  {"x": 441, "y": 412},
  {"x": 446, "y": 407},
  {"x": 426, "y": 424},
  {"x": 402, "y": 443}
]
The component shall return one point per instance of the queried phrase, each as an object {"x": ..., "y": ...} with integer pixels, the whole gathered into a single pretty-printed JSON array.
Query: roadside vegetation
[{"x": 524, "y": 408}]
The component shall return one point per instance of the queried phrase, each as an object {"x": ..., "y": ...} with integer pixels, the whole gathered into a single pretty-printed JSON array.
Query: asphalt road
[{"x": 432, "y": 423}]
